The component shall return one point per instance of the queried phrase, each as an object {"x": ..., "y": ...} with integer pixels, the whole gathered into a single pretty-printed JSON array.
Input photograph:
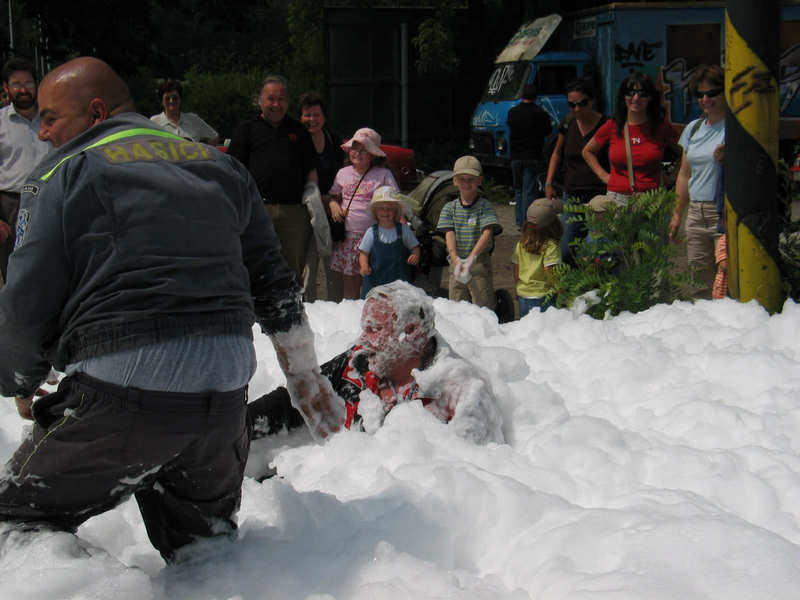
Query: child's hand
[
  {"x": 461, "y": 270},
  {"x": 337, "y": 212},
  {"x": 365, "y": 270},
  {"x": 413, "y": 259}
]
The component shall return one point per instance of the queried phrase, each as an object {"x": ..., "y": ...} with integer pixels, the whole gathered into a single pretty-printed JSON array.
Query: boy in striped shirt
[{"x": 470, "y": 223}]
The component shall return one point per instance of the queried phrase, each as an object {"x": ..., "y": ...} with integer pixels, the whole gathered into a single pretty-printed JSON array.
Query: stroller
[{"x": 426, "y": 201}]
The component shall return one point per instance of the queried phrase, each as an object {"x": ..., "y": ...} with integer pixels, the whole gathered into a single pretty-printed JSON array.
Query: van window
[
  {"x": 553, "y": 79},
  {"x": 506, "y": 81}
]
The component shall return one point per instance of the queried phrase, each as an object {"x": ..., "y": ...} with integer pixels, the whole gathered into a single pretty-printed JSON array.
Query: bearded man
[{"x": 20, "y": 147}]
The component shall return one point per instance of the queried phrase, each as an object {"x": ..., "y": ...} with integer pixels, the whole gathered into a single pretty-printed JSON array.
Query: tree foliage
[{"x": 435, "y": 41}]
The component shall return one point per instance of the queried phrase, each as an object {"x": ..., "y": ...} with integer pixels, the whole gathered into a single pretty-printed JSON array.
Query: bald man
[{"x": 143, "y": 262}]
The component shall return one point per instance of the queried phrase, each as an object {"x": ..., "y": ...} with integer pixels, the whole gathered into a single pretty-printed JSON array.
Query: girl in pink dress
[{"x": 352, "y": 190}]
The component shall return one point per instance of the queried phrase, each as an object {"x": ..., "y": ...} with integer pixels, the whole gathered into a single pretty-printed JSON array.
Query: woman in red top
[{"x": 638, "y": 110}]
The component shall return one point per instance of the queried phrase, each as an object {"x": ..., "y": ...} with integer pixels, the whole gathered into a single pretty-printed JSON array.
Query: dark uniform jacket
[{"x": 130, "y": 236}]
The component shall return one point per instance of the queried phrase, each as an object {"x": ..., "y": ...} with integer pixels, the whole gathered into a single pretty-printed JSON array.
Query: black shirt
[
  {"x": 279, "y": 158},
  {"x": 331, "y": 159},
  {"x": 579, "y": 179},
  {"x": 529, "y": 124}
]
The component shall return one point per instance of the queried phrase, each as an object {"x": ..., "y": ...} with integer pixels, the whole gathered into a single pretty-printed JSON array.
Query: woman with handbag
[
  {"x": 636, "y": 137},
  {"x": 700, "y": 175},
  {"x": 351, "y": 193},
  {"x": 331, "y": 158}
]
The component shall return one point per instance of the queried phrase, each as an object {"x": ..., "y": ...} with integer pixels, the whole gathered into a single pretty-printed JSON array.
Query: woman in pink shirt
[
  {"x": 640, "y": 111},
  {"x": 352, "y": 190}
]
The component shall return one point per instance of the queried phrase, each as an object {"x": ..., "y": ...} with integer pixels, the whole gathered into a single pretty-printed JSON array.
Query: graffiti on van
[
  {"x": 680, "y": 103},
  {"x": 789, "y": 76},
  {"x": 635, "y": 55},
  {"x": 675, "y": 78},
  {"x": 500, "y": 76}
]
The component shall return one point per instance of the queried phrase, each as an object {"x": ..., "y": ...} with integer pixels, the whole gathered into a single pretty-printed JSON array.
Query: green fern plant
[{"x": 626, "y": 263}]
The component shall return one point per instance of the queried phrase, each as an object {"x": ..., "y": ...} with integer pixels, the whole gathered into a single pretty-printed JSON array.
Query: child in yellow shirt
[{"x": 536, "y": 253}]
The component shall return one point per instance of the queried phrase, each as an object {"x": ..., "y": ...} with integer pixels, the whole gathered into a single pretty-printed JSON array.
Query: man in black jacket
[
  {"x": 279, "y": 153},
  {"x": 143, "y": 262},
  {"x": 528, "y": 126}
]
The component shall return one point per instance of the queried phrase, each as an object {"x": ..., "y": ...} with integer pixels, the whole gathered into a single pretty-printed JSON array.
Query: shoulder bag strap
[
  {"x": 695, "y": 127},
  {"x": 356, "y": 190},
  {"x": 628, "y": 154}
]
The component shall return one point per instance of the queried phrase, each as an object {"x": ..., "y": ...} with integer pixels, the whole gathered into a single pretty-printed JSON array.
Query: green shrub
[{"x": 627, "y": 264}]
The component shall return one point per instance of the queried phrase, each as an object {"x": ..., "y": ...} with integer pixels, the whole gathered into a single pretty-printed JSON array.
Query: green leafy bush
[
  {"x": 789, "y": 246},
  {"x": 626, "y": 262}
]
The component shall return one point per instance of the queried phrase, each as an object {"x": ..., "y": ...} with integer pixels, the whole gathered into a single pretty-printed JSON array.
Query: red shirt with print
[{"x": 647, "y": 151}]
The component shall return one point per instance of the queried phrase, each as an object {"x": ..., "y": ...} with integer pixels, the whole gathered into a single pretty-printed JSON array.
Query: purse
[{"x": 337, "y": 227}]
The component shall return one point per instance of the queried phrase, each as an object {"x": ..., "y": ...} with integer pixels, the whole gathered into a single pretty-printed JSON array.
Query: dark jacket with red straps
[{"x": 349, "y": 375}]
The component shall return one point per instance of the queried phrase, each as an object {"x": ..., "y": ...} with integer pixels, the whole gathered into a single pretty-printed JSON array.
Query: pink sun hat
[{"x": 368, "y": 138}]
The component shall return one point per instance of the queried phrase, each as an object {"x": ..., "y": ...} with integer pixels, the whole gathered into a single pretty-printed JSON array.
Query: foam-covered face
[{"x": 386, "y": 339}]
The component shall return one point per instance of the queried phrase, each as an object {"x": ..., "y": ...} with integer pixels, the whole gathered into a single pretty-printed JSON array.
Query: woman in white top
[
  {"x": 187, "y": 125},
  {"x": 699, "y": 178}
]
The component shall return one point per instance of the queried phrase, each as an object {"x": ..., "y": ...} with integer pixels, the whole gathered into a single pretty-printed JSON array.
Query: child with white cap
[
  {"x": 469, "y": 224},
  {"x": 388, "y": 246},
  {"x": 352, "y": 191},
  {"x": 536, "y": 253}
]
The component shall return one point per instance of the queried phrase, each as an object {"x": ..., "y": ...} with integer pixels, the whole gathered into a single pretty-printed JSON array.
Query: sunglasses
[
  {"x": 631, "y": 92},
  {"x": 580, "y": 103},
  {"x": 712, "y": 93}
]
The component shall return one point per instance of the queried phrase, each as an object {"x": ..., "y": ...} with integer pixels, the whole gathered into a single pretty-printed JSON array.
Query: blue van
[{"x": 522, "y": 62}]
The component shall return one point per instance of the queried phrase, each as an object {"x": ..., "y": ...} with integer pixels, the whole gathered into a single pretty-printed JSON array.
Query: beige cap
[
  {"x": 542, "y": 212},
  {"x": 600, "y": 203},
  {"x": 468, "y": 165}
]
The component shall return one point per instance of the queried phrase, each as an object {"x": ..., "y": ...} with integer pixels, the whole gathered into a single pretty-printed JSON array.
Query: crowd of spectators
[{"x": 137, "y": 246}]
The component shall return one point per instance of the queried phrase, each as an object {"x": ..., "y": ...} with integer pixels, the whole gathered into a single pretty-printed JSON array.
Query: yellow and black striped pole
[{"x": 751, "y": 151}]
